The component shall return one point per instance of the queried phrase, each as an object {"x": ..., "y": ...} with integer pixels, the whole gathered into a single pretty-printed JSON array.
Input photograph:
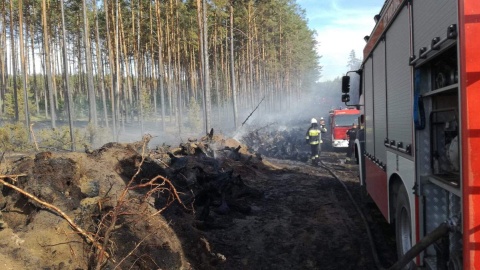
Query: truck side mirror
[
  {"x": 345, "y": 98},
  {"x": 345, "y": 84}
]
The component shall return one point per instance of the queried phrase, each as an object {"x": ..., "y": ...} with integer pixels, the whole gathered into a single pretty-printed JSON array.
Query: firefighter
[
  {"x": 323, "y": 129},
  {"x": 314, "y": 138},
  {"x": 351, "y": 135}
]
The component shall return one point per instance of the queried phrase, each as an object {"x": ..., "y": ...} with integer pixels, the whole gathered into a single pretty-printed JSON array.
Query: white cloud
[
  {"x": 337, "y": 41},
  {"x": 340, "y": 26}
]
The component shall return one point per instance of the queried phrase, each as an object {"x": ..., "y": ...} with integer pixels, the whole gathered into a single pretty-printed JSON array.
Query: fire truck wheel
[{"x": 403, "y": 229}]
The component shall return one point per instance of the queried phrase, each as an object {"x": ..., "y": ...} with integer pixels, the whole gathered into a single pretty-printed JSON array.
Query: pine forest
[{"x": 74, "y": 69}]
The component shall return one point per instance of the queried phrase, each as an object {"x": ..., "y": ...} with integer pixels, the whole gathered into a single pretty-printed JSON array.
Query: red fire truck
[
  {"x": 340, "y": 120},
  {"x": 419, "y": 142}
]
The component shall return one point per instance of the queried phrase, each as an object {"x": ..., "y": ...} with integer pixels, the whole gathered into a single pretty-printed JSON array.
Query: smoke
[
  {"x": 282, "y": 113},
  {"x": 315, "y": 102}
]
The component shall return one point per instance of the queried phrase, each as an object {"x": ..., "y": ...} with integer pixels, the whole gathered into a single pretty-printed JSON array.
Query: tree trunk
[
  {"x": 14, "y": 62},
  {"x": 117, "y": 68},
  {"x": 48, "y": 66},
  {"x": 88, "y": 56},
  {"x": 128, "y": 99},
  {"x": 232, "y": 70},
  {"x": 112, "y": 66},
  {"x": 32, "y": 46},
  {"x": 45, "y": 82},
  {"x": 169, "y": 41},
  {"x": 65, "y": 81},
  {"x": 100, "y": 71},
  {"x": 152, "y": 73},
  {"x": 161, "y": 71},
  {"x": 139, "y": 72},
  {"x": 24, "y": 66},
  {"x": 3, "y": 53},
  {"x": 54, "y": 81},
  {"x": 206, "y": 81},
  {"x": 178, "y": 70}
]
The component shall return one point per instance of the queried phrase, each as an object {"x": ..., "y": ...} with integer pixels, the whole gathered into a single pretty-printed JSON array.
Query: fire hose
[{"x": 443, "y": 229}]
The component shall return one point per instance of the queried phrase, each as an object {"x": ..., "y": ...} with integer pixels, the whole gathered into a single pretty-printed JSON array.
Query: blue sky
[{"x": 340, "y": 26}]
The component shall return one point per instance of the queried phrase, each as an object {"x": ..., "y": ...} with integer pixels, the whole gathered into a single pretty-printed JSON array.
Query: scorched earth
[{"x": 211, "y": 203}]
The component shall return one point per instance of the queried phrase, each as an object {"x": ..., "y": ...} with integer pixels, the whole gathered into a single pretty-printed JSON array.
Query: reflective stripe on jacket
[{"x": 313, "y": 136}]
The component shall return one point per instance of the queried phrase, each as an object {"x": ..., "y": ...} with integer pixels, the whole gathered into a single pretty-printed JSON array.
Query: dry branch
[{"x": 253, "y": 111}]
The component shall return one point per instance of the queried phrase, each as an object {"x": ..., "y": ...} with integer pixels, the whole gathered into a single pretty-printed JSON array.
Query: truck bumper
[{"x": 340, "y": 143}]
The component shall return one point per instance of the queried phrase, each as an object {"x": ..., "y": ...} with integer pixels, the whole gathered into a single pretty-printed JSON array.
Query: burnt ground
[
  {"x": 288, "y": 214},
  {"x": 305, "y": 220}
]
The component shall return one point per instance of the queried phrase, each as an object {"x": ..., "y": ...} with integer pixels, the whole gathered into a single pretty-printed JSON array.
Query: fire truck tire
[{"x": 403, "y": 229}]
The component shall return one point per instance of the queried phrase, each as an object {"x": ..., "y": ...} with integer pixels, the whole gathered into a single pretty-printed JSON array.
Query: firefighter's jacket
[
  {"x": 314, "y": 134},
  {"x": 352, "y": 134}
]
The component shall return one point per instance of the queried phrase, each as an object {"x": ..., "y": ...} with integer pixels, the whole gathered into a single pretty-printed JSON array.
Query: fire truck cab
[
  {"x": 420, "y": 149},
  {"x": 341, "y": 120}
]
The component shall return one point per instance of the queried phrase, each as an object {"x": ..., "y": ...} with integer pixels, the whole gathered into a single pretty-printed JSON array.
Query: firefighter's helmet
[{"x": 314, "y": 121}]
